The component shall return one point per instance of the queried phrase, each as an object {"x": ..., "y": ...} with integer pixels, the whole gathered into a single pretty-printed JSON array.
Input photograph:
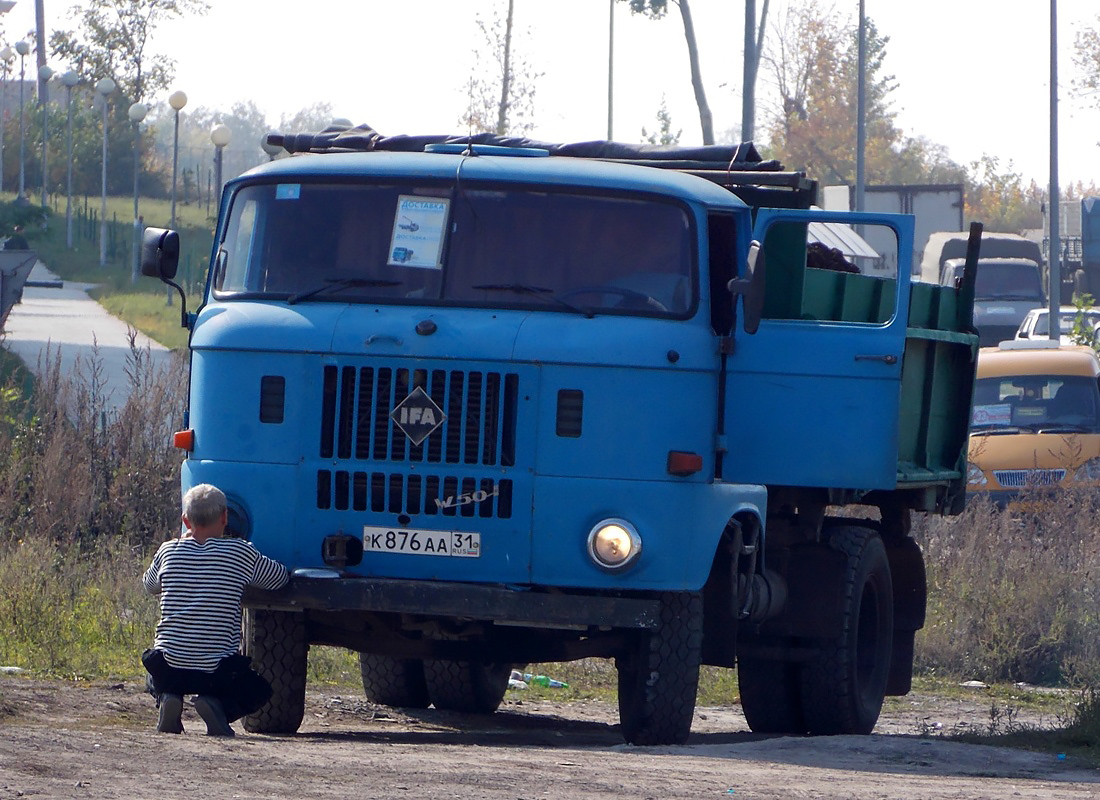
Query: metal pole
[
  {"x": 1054, "y": 207},
  {"x": 69, "y": 176},
  {"x": 135, "y": 269},
  {"x": 175, "y": 162},
  {"x": 45, "y": 151},
  {"x": 22, "y": 129},
  {"x": 103, "y": 203},
  {"x": 610, "y": 69},
  {"x": 3, "y": 116},
  {"x": 861, "y": 107},
  {"x": 748, "y": 82}
]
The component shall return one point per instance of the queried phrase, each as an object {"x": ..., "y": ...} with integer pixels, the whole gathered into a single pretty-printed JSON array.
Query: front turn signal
[
  {"x": 684, "y": 464},
  {"x": 184, "y": 440}
]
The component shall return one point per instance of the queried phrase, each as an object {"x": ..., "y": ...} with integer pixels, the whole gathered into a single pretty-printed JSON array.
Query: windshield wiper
[
  {"x": 535, "y": 291},
  {"x": 338, "y": 283}
]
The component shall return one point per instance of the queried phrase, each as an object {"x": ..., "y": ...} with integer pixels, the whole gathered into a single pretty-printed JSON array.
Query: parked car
[
  {"x": 1036, "y": 421},
  {"x": 1036, "y": 325}
]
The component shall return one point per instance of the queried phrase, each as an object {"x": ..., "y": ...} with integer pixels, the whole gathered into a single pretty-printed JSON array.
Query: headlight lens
[
  {"x": 974, "y": 475},
  {"x": 1089, "y": 472},
  {"x": 614, "y": 544}
]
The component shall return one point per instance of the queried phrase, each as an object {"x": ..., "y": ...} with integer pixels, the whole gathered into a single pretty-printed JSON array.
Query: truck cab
[{"x": 1005, "y": 290}]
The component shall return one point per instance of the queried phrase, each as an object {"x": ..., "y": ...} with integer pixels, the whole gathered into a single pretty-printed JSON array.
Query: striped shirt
[{"x": 200, "y": 589}]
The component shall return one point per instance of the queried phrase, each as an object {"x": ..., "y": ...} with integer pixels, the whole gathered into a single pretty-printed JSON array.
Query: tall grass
[
  {"x": 1015, "y": 596},
  {"x": 86, "y": 494}
]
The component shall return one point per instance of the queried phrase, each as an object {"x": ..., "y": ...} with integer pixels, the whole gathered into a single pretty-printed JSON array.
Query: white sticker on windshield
[
  {"x": 418, "y": 231},
  {"x": 288, "y": 191},
  {"x": 999, "y": 414}
]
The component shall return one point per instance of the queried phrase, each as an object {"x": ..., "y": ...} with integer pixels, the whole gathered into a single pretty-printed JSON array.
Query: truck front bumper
[{"x": 520, "y": 606}]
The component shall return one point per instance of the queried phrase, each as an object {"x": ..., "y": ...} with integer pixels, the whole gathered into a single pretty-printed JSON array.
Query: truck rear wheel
[
  {"x": 771, "y": 695},
  {"x": 471, "y": 687},
  {"x": 659, "y": 676},
  {"x": 390, "y": 681},
  {"x": 276, "y": 640},
  {"x": 843, "y": 686}
]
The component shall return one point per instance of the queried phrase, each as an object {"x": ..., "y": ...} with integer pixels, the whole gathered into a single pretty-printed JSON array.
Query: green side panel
[
  {"x": 785, "y": 269},
  {"x": 937, "y": 385},
  {"x": 847, "y": 297}
]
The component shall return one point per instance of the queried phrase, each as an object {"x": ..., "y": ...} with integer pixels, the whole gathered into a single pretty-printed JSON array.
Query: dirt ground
[{"x": 63, "y": 740}]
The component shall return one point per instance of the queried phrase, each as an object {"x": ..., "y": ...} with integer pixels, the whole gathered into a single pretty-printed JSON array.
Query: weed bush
[
  {"x": 1014, "y": 596},
  {"x": 86, "y": 495}
]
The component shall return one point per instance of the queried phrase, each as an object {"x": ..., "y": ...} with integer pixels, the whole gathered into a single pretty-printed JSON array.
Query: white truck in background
[
  {"x": 935, "y": 207},
  {"x": 1010, "y": 280}
]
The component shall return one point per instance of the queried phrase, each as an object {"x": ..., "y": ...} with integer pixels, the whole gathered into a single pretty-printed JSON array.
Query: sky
[{"x": 972, "y": 75}]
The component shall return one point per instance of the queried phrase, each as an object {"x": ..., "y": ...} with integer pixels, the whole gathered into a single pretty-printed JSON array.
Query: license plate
[{"x": 421, "y": 543}]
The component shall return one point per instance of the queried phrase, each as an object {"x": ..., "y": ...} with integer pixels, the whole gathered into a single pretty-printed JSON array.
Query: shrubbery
[{"x": 86, "y": 495}]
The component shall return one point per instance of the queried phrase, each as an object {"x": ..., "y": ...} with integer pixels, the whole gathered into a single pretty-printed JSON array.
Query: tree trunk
[
  {"x": 506, "y": 76},
  {"x": 705, "y": 118}
]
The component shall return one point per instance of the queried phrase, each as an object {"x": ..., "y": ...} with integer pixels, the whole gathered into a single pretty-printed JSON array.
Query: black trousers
[{"x": 239, "y": 688}]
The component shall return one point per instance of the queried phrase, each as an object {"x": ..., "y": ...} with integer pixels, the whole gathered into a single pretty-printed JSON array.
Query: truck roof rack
[{"x": 738, "y": 168}]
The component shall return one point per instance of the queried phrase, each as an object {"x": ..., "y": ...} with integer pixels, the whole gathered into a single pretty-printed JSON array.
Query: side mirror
[
  {"x": 750, "y": 288},
  {"x": 160, "y": 258},
  {"x": 160, "y": 253}
]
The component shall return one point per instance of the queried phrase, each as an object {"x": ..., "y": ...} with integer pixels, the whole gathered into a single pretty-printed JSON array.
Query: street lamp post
[
  {"x": 104, "y": 87},
  {"x": 70, "y": 79},
  {"x": 272, "y": 150},
  {"x": 22, "y": 48},
  {"x": 220, "y": 136},
  {"x": 45, "y": 72},
  {"x": 6, "y": 56},
  {"x": 136, "y": 113},
  {"x": 177, "y": 100}
]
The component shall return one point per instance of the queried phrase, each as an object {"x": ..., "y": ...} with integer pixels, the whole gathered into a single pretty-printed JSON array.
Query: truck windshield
[
  {"x": 1037, "y": 404},
  {"x": 1008, "y": 281},
  {"x": 502, "y": 247}
]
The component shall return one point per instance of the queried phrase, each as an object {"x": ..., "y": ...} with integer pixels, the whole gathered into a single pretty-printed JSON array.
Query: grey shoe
[
  {"x": 171, "y": 710},
  {"x": 210, "y": 709}
]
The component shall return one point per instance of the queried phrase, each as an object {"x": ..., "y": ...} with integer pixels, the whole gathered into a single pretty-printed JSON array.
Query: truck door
[{"x": 813, "y": 397}]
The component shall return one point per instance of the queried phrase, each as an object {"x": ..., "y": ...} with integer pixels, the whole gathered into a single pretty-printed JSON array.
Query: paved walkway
[{"x": 68, "y": 322}]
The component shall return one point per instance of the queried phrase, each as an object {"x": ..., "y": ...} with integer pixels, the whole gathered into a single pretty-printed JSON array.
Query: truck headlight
[
  {"x": 614, "y": 544},
  {"x": 974, "y": 475}
]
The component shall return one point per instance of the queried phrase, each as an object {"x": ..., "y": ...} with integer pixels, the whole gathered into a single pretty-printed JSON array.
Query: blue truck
[{"x": 498, "y": 402}]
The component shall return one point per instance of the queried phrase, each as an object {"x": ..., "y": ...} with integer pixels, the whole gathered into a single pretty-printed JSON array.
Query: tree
[
  {"x": 656, "y": 9},
  {"x": 813, "y": 58},
  {"x": 1086, "y": 57},
  {"x": 113, "y": 38},
  {"x": 663, "y": 135},
  {"x": 503, "y": 102},
  {"x": 1000, "y": 199}
]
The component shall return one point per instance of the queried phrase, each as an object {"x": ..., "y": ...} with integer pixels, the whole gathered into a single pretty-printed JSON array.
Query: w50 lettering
[{"x": 467, "y": 498}]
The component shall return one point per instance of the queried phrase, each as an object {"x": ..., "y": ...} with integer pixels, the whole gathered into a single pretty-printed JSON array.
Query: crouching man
[{"x": 201, "y": 577}]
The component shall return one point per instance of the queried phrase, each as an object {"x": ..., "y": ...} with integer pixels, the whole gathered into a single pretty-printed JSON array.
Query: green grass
[{"x": 150, "y": 313}]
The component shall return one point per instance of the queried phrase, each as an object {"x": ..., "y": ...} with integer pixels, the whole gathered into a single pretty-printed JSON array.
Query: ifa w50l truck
[{"x": 500, "y": 402}]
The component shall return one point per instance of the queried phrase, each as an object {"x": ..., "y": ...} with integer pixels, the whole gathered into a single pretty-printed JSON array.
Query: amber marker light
[
  {"x": 680, "y": 463},
  {"x": 184, "y": 440}
]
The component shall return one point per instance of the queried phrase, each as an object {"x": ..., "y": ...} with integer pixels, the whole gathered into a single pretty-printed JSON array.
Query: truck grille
[
  {"x": 448, "y": 496},
  {"x": 1020, "y": 478},
  {"x": 480, "y": 408}
]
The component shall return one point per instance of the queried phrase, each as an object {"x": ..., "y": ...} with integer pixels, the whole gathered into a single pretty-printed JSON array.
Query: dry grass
[{"x": 1014, "y": 597}]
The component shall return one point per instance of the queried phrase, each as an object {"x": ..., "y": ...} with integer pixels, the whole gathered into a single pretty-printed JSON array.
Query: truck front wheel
[
  {"x": 843, "y": 686},
  {"x": 659, "y": 675},
  {"x": 276, "y": 640}
]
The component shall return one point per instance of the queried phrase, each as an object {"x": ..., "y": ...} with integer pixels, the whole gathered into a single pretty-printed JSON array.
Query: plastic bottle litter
[{"x": 542, "y": 680}]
